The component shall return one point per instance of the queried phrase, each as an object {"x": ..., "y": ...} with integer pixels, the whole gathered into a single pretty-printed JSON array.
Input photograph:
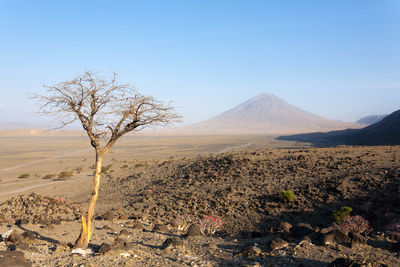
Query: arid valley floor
[{"x": 151, "y": 183}]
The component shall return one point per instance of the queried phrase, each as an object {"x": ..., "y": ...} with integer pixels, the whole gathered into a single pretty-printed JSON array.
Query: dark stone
[
  {"x": 104, "y": 248},
  {"x": 336, "y": 237},
  {"x": 107, "y": 228},
  {"x": 129, "y": 246},
  {"x": 138, "y": 226},
  {"x": 13, "y": 259},
  {"x": 124, "y": 217},
  {"x": 284, "y": 227},
  {"x": 193, "y": 231},
  {"x": 356, "y": 238},
  {"x": 108, "y": 216},
  {"x": 301, "y": 230},
  {"x": 162, "y": 228},
  {"x": 278, "y": 243},
  {"x": 124, "y": 232},
  {"x": 173, "y": 243},
  {"x": 119, "y": 242}
]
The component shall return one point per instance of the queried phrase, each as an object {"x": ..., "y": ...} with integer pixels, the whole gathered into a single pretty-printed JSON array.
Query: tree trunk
[{"x": 86, "y": 231}]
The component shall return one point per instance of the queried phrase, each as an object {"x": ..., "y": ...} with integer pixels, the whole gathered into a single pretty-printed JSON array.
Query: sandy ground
[{"x": 41, "y": 156}]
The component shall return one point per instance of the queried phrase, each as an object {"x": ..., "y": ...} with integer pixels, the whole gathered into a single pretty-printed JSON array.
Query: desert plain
[{"x": 154, "y": 188}]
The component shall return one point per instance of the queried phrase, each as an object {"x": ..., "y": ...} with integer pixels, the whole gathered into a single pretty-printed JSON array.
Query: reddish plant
[
  {"x": 356, "y": 224},
  {"x": 209, "y": 225}
]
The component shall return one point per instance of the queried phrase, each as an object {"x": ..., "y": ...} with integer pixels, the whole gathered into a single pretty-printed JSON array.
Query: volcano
[{"x": 267, "y": 114}]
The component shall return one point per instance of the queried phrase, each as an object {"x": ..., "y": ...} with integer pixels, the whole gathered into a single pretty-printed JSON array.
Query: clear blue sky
[{"x": 338, "y": 59}]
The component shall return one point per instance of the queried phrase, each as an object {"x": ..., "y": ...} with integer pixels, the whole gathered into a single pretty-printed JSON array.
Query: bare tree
[{"x": 107, "y": 110}]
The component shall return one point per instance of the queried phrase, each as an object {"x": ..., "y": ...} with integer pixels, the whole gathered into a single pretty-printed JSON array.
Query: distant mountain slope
[
  {"x": 266, "y": 114},
  {"x": 384, "y": 132},
  {"x": 371, "y": 119}
]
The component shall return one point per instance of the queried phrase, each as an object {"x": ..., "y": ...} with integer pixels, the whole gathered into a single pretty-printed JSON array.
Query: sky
[{"x": 338, "y": 59}]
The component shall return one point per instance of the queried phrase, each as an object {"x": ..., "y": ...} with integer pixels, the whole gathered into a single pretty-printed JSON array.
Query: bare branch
[{"x": 104, "y": 107}]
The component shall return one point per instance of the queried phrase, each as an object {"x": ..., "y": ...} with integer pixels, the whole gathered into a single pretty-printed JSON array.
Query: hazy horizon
[{"x": 339, "y": 60}]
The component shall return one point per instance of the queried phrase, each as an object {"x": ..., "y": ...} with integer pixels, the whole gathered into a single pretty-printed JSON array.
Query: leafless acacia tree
[{"x": 107, "y": 110}]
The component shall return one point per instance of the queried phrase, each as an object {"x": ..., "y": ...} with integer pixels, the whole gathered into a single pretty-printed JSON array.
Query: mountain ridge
[{"x": 266, "y": 114}]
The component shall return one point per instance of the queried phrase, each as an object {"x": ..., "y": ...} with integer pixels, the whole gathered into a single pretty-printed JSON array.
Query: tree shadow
[{"x": 39, "y": 236}]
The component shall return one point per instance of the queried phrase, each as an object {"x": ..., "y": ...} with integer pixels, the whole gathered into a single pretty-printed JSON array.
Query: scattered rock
[
  {"x": 301, "y": 230},
  {"x": 284, "y": 227},
  {"x": 13, "y": 259},
  {"x": 28, "y": 237},
  {"x": 193, "y": 231},
  {"x": 62, "y": 248},
  {"x": 49, "y": 227},
  {"x": 138, "y": 226},
  {"x": 356, "y": 239},
  {"x": 82, "y": 252},
  {"x": 104, "y": 248},
  {"x": 174, "y": 243},
  {"x": 124, "y": 217},
  {"x": 336, "y": 237},
  {"x": 7, "y": 234},
  {"x": 108, "y": 216},
  {"x": 107, "y": 228},
  {"x": 252, "y": 252},
  {"x": 130, "y": 223},
  {"x": 162, "y": 228},
  {"x": 119, "y": 242},
  {"x": 124, "y": 232},
  {"x": 278, "y": 243}
]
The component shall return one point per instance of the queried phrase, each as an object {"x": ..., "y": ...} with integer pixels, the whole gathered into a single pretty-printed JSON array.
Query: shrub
[
  {"x": 65, "y": 174},
  {"x": 183, "y": 222},
  {"x": 287, "y": 195},
  {"x": 356, "y": 224},
  {"x": 342, "y": 213},
  {"x": 209, "y": 225},
  {"x": 24, "y": 175},
  {"x": 124, "y": 166},
  {"x": 105, "y": 169},
  {"x": 49, "y": 176}
]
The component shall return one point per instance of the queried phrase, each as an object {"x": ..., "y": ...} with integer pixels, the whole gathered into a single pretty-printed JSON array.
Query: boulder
[
  {"x": 193, "y": 231},
  {"x": 278, "y": 243}
]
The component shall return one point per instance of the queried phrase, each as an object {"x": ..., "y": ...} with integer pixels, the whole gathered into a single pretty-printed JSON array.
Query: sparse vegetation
[
  {"x": 78, "y": 169},
  {"x": 288, "y": 195},
  {"x": 342, "y": 213},
  {"x": 184, "y": 221},
  {"x": 356, "y": 224},
  {"x": 106, "y": 169},
  {"x": 209, "y": 225},
  {"x": 65, "y": 174},
  {"x": 24, "y": 175},
  {"x": 49, "y": 176}
]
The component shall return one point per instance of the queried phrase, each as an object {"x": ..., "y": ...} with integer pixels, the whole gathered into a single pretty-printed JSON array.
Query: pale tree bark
[
  {"x": 106, "y": 110},
  {"x": 86, "y": 230}
]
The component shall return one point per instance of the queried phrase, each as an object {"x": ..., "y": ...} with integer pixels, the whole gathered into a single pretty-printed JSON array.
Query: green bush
[
  {"x": 65, "y": 174},
  {"x": 24, "y": 175},
  {"x": 287, "y": 195},
  {"x": 342, "y": 213}
]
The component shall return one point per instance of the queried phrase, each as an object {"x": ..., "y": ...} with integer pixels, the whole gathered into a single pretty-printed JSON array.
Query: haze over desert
[{"x": 200, "y": 133}]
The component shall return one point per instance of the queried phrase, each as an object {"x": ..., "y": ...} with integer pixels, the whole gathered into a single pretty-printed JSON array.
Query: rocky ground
[{"x": 146, "y": 209}]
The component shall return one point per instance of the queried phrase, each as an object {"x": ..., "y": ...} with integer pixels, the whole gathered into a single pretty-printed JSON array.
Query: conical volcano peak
[{"x": 267, "y": 113}]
